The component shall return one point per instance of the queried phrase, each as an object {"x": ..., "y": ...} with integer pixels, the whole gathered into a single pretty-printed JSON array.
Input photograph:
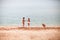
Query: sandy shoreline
[
  {"x": 30, "y": 34},
  {"x": 25, "y": 28},
  {"x": 20, "y": 33}
]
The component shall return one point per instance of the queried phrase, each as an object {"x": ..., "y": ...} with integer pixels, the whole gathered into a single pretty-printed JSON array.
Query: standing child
[
  {"x": 28, "y": 21},
  {"x": 23, "y": 21}
]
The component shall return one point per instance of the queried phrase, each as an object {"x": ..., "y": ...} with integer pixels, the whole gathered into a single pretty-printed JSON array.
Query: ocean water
[
  {"x": 39, "y": 11},
  {"x": 35, "y": 21}
]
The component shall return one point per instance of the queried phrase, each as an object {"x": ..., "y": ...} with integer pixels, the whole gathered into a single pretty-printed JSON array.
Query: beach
[{"x": 15, "y": 33}]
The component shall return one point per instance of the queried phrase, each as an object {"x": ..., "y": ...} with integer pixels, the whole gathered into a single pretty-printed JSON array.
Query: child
[
  {"x": 28, "y": 21},
  {"x": 44, "y": 25},
  {"x": 23, "y": 21}
]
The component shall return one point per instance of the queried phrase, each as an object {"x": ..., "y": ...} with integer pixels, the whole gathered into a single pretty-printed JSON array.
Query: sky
[{"x": 39, "y": 11}]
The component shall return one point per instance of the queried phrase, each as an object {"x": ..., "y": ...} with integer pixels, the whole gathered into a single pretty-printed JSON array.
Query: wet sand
[{"x": 16, "y": 33}]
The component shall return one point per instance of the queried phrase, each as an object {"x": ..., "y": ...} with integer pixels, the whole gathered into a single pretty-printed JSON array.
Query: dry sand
[{"x": 43, "y": 34}]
